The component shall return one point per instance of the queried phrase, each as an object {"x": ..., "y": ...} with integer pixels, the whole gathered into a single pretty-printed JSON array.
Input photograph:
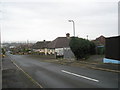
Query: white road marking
[{"x": 80, "y": 76}]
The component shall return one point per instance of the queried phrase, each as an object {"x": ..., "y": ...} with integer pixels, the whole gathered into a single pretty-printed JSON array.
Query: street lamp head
[
  {"x": 70, "y": 20},
  {"x": 73, "y": 26}
]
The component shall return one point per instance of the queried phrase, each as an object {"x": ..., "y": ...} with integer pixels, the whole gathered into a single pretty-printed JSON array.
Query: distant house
[
  {"x": 100, "y": 44},
  {"x": 12, "y": 47},
  {"x": 40, "y": 47},
  {"x": 60, "y": 47},
  {"x": 100, "y": 41}
]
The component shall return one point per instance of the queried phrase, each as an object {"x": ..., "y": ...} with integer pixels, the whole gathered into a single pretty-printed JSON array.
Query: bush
[
  {"x": 92, "y": 48},
  {"x": 81, "y": 47},
  {"x": 3, "y": 51}
]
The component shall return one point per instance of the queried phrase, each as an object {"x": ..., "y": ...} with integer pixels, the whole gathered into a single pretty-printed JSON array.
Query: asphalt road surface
[{"x": 50, "y": 75}]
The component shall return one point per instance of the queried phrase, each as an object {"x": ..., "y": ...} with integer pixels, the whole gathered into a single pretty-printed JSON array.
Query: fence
[{"x": 112, "y": 48}]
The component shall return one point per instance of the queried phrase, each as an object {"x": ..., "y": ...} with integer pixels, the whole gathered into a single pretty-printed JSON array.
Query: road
[
  {"x": 50, "y": 75},
  {"x": 13, "y": 77}
]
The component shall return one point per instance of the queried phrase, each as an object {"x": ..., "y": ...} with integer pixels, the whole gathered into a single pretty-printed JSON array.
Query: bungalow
[
  {"x": 40, "y": 47},
  {"x": 60, "y": 47}
]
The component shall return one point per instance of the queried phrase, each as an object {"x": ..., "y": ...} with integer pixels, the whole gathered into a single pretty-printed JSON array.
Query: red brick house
[{"x": 100, "y": 40}]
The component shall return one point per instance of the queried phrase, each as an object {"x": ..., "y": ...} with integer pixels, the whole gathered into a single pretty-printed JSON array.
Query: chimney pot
[
  {"x": 67, "y": 35},
  {"x": 43, "y": 40}
]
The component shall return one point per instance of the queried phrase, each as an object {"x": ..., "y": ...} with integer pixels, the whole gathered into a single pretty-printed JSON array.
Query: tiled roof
[
  {"x": 59, "y": 42},
  {"x": 40, "y": 45}
]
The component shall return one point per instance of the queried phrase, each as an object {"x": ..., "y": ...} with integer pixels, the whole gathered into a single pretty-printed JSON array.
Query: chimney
[
  {"x": 68, "y": 35},
  {"x": 44, "y": 41}
]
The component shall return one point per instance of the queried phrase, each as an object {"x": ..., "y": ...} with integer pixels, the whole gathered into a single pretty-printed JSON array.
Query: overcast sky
[{"x": 37, "y": 20}]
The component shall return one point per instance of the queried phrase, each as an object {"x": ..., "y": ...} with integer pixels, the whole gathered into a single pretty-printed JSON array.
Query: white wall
[{"x": 59, "y": 51}]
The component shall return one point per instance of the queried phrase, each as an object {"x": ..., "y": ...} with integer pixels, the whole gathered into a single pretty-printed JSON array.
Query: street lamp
[
  {"x": 87, "y": 37},
  {"x": 73, "y": 26}
]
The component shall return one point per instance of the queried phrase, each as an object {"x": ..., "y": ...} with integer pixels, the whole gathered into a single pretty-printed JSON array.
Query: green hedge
[{"x": 81, "y": 47}]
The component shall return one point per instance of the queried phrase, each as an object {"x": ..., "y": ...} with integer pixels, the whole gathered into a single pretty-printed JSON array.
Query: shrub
[
  {"x": 3, "y": 51},
  {"x": 81, "y": 47},
  {"x": 92, "y": 48}
]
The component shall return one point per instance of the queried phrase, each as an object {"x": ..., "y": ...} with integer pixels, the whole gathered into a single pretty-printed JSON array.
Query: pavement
[
  {"x": 12, "y": 77},
  {"x": 51, "y": 75},
  {"x": 102, "y": 66}
]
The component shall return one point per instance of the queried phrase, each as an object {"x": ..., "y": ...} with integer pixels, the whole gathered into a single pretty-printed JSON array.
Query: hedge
[{"x": 81, "y": 47}]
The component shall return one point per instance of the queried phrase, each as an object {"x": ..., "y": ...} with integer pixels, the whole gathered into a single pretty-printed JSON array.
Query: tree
[{"x": 81, "y": 47}]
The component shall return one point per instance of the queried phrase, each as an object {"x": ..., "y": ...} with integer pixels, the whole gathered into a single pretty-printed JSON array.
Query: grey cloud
[{"x": 88, "y": 17}]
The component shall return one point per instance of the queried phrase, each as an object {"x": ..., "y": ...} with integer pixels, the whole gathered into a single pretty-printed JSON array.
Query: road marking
[
  {"x": 80, "y": 76},
  {"x": 34, "y": 81}
]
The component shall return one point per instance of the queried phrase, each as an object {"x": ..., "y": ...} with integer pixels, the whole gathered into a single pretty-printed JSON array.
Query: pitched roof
[
  {"x": 99, "y": 40},
  {"x": 40, "y": 44},
  {"x": 59, "y": 42},
  {"x": 101, "y": 37}
]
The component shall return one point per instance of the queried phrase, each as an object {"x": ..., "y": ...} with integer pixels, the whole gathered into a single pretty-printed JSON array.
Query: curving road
[{"x": 51, "y": 75}]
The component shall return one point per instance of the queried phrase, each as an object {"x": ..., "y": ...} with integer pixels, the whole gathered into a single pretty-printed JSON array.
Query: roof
[
  {"x": 101, "y": 37},
  {"x": 99, "y": 40},
  {"x": 40, "y": 44},
  {"x": 59, "y": 42}
]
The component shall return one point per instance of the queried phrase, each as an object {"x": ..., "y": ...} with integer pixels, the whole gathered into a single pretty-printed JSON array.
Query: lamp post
[
  {"x": 87, "y": 37},
  {"x": 73, "y": 26}
]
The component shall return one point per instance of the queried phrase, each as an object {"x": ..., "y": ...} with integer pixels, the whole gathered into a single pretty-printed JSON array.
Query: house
[
  {"x": 100, "y": 45},
  {"x": 40, "y": 47},
  {"x": 60, "y": 47},
  {"x": 100, "y": 41},
  {"x": 11, "y": 47},
  {"x": 21, "y": 48}
]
